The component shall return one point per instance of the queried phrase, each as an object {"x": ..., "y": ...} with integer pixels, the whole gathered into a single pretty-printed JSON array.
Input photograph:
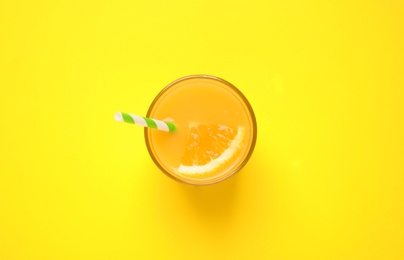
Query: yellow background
[{"x": 325, "y": 79}]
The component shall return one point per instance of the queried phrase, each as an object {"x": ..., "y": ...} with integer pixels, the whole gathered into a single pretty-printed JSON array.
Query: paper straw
[{"x": 144, "y": 121}]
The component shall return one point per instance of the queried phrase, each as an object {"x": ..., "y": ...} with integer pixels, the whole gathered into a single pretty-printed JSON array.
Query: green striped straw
[{"x": 144, "y": 121}]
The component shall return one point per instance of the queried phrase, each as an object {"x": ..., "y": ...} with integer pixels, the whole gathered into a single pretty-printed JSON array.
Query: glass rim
[{"x": 239, "y": 94}]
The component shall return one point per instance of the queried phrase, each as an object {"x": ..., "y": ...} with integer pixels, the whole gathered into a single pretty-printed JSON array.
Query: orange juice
[{"x": 202, "y": 107}]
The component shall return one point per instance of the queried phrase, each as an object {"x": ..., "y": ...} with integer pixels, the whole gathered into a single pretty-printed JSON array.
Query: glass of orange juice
[{"x": 215, "y": 132}]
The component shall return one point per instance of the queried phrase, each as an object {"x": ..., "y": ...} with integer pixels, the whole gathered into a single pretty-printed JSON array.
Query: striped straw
[{"x": 144, "y": 121}]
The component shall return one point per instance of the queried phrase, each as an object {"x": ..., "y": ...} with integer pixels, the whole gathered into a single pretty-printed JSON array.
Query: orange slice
[{"x": 209, "y": 148}]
